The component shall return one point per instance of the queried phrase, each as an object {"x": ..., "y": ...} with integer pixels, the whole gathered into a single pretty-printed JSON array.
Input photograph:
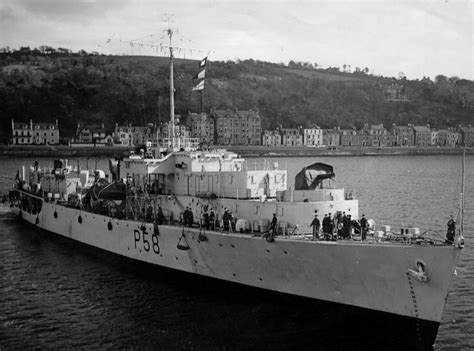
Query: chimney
[{"x": 31, "y": 124}]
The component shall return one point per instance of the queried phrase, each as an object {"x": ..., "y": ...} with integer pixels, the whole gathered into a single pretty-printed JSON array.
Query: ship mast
[{"x": 169, "y": 31}]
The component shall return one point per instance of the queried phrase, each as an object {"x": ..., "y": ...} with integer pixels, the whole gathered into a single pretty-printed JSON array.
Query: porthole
[
  {"x": 55, "y": 214},
  {"x": 109, "y": 226}
]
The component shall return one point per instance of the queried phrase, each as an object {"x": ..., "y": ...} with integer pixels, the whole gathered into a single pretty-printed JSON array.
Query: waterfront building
[
  {"x": 123, "y": 135},
  {"x": 467, "y": 136},
  {"x": 271, "y": 137},
  {"x": 448, "y": 137},
  {"x": 144, "y": 135},
  {"x": 35, "y": 133},
  {"x": 402, "y": 135},
  {"x": 129, "y": 135},
  {"x": 291, "y": 137},
  {"x": 182, "y": 136},
  {"x": 237, "y": 127},
  {"x": 202, "y": 127},
  {"x": 422, "y": 136},
  {"x": 378, "y": 134},
  {"x": 364, "y": 138},
  {"x": 312, "y": 136},
  {"x": 331, "y": 137},
  {"x": 350, "y": 137},
  {"x": 93, "y": 134}
]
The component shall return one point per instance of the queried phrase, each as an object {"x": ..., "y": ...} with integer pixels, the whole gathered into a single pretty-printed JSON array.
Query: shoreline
[
  {"x": 289, "y": 151},
  {"x": 63, "y": 151},
  {"x": 244, "y": 151}
]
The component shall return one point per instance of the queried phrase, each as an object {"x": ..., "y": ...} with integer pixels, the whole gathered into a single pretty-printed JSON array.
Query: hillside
[{"x": 120, "y": 89}]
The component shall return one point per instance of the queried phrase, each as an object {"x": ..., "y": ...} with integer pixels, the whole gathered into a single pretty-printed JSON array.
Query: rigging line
[{"x": 146, "y": 36}]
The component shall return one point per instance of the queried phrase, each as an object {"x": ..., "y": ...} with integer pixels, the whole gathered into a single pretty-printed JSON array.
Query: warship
[{"x": 211, "y": 213}]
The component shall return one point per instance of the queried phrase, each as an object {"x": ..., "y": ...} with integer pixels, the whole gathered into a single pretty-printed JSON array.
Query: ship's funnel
[{"x": 311, "y": 176}]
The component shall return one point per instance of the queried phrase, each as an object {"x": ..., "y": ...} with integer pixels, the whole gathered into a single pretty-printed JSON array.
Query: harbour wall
[
  {"x": 244, "y": 151},
  {"x": 63, "y": 151},
  {"x": 295, "y": 151}
]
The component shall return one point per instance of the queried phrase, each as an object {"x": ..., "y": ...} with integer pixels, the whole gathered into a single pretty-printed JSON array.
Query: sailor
[
  {"x": 159, "y": 216},
  {"x": 231, "y": 222},
  {"x": 212, "y": 218},
  {"x": 206, "y": 219},
  {"x": 273, "y": 226},
  {"x": 451, "y": 230},
  {"x": 226, "y": 219},
  {"x": 316, "y": 224},
  {"x": 330, "y": 224},
  {"x": 186, "y": 217},
  {"x": 349, "y": 226},
  {"x": 325, "y": 224},
  {"x": 149, "y": 214},
  {"x": 363, "y": 227},
  {"x": 190, "y": 218}
]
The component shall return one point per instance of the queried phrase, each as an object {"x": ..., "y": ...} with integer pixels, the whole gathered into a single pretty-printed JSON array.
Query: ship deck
[{"x": 374, "y": 237}]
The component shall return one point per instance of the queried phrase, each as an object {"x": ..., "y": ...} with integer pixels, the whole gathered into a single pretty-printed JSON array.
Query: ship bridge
[{"x": 214, "y": 174}]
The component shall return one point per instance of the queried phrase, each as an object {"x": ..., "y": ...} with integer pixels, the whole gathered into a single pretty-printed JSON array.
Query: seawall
[
  {"x": 295, "y": 151},
  {"x": 63, "y": 151},
  {"x": 244, "y": 151}
]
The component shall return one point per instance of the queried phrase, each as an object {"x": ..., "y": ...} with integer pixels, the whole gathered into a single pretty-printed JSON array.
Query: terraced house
[
  {"x": 237, "y": 127},
  {"x": 35, "y": 133},
  {"x": 467, "y": 136},
  {"x": 422, "y": 135},
  {"x": 202, "y": 127}
]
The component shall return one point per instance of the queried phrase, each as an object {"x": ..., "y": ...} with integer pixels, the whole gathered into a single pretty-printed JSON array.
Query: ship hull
[{"x": 368, "y": 279}]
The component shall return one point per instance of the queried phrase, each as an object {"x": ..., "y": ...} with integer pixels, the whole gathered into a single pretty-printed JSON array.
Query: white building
[
  {"x": 35, "y": 133},
  {"x": 313, "y": 136},
  {"x": 271, "y": 137}
]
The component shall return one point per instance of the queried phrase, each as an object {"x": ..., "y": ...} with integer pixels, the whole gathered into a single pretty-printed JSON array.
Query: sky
[{"x": 416, "y": 37}]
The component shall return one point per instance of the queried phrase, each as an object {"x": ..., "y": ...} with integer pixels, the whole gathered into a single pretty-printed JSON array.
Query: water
[{"x": 58, "y": 294}]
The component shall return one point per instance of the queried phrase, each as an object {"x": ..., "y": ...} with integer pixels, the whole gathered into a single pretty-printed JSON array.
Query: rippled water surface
[{"x": 58, "y": 294}]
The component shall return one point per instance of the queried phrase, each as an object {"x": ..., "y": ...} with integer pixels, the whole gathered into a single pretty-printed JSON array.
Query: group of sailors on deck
[
  {"x": 207, "y": 221},
  {"x": 338, "y": 226}
]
